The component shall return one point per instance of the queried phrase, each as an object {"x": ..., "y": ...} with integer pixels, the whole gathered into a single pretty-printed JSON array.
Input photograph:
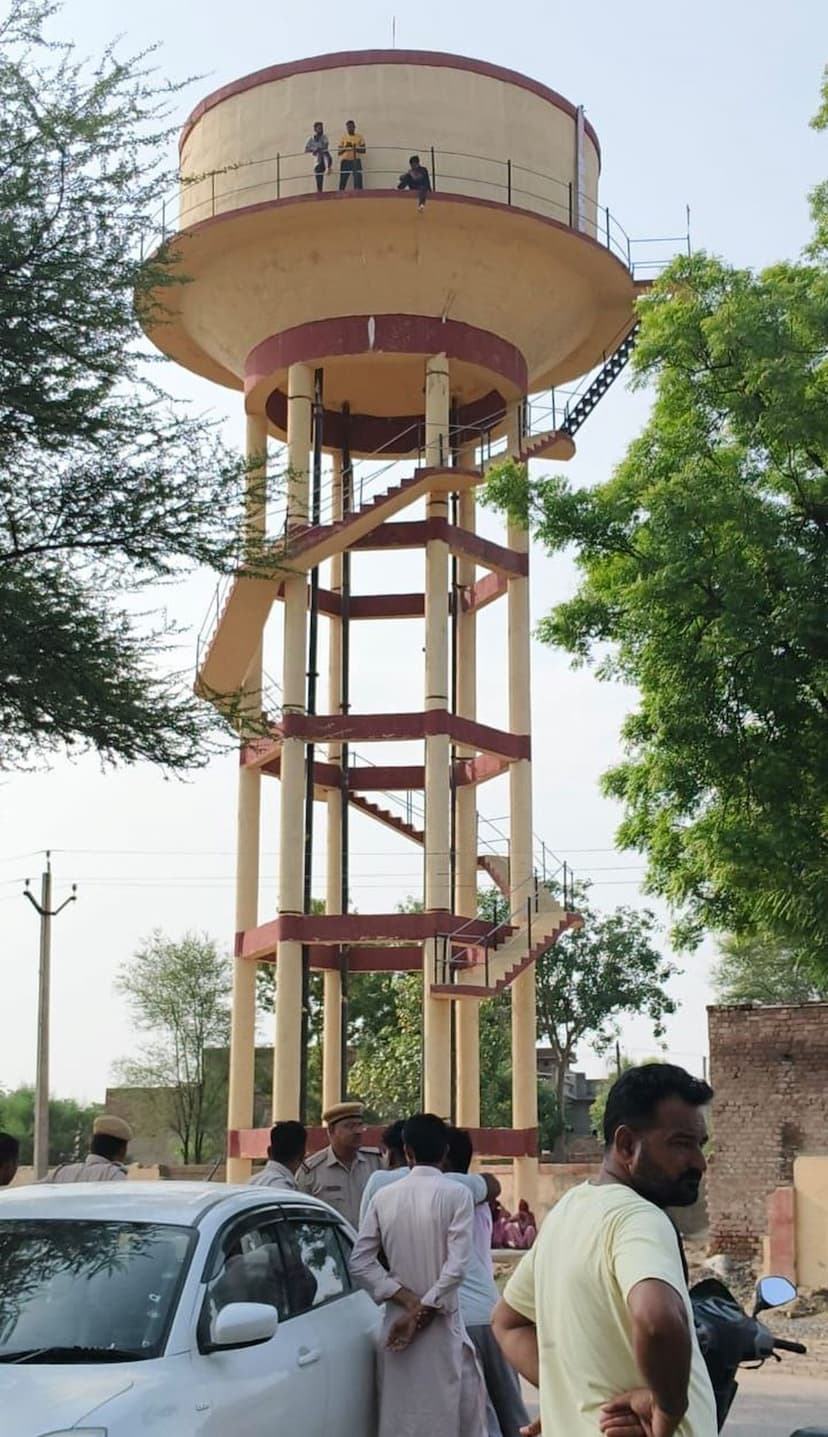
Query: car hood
[{"x": 34, "y": 1400}]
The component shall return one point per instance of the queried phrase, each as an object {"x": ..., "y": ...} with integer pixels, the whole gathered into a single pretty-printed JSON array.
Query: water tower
[{"x": 353, "y": 325}]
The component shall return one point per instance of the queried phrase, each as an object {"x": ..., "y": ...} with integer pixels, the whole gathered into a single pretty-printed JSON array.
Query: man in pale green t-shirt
[{"x": 597, "y": 1314}]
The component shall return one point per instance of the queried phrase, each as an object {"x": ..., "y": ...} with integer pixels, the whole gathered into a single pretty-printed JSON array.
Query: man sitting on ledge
[{"x": 416, "y": 178}]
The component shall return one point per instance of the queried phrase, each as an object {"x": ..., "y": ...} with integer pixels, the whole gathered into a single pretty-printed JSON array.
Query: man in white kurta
[{"x": 433, "y": 1384}]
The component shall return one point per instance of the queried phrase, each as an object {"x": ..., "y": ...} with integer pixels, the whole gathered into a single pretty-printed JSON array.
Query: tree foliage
[
  {"x": 106, "y": 485},
  {"x": 756, "y": 969},
  {"x": 70, "y": 1124},
  {"x": 598, "y": 1106},
  {"x": 594, "y": 976},
  {"x": 178, "y": 992},
  {"x": 704, "y": 584}
]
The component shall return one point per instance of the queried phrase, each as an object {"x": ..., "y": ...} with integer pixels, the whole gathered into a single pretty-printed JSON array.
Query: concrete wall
[
  {"x": 769, "y": 1069},
  {"x": 474, "y": 123}
]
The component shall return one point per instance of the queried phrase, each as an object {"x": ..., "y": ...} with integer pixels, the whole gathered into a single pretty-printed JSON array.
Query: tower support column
[
  {"x": 524, "y": 1021},
  {"x": 332, "y": 980},
  {"x": 242, "y": 1064},
  {"x": 287, "y": 1055},
  {"x": 466, "y": 1010},
  {"x": 436, "y": 1012}
]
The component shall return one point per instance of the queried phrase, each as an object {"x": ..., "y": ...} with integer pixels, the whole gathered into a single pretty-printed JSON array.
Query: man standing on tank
[
  {"x": 350, "y": 149},
  {"x": 319, "y": 146}
]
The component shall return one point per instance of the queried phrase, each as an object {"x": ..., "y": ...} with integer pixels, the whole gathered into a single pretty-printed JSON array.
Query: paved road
[
  {"x": 775, "y": 1404},
  {"x": 769, "y": 1404}
]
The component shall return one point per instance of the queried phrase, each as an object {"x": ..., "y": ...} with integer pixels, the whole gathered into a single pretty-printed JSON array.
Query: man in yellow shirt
[
  {"x": 597, "y": 1314},
  {"x": 351, "y": 148}
]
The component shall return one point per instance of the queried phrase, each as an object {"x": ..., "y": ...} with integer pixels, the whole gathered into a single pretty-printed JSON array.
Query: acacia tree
[
  {"x": 178, "y": 992},
  {"x": 106, "y": 485},
  {"x": 756, "y": 969},
  {"x": 594, "y": 976},
  {"x": 704, "y": 584}
]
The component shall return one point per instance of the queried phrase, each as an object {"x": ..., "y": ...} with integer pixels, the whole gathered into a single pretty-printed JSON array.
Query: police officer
[
  {"x": 339, "y": 1172},
  {"x": 106, "y": 1159}
]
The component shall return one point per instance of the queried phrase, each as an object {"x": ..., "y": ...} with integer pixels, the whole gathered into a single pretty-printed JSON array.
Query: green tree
[
  {"x": 704, "y": 584},
  {"x": 594, "y": 976},
  {"x": 753, "y": 969},
  {"x": 106, "y": 485},
  {"x": 70, "y": 1124},
  {"x": 598, "y": 1107},
  {"x": 178, "y": 992}
]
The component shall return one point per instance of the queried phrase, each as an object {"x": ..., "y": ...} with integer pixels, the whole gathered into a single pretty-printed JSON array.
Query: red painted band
[
  {"x": 488, "y": 1142},
  {"x": 348, "y": 59},
  {"x": 353, "y": 334},
  {"x": 379, "y": 728},
  {"x": 464, "y": 543}
]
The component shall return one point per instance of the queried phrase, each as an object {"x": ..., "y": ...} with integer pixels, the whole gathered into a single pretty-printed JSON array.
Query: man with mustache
[{"x": 597, "y": 1314}]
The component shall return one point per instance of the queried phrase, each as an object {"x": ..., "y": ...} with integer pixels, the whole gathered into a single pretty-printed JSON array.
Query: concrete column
[
  {"x": 240, "y": 1099},
  {"x": 436, "y": 1011},
  {"x": 287, "y": 1057},
  {"x": 332, "y": 982},
  {"x": 524, "y": 1023},
  {"x": 467, "y": 1010}
]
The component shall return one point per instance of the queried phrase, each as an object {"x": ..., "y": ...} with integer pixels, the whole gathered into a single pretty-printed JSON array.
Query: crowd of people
[
  {"x": 350, "y": 151},
  {"x": 596, "y": 1314}
]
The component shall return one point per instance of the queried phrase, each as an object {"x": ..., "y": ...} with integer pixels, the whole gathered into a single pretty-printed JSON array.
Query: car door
[
  {"x": 346, "y": 1321},
  {"x": 277, "y": 1386}
]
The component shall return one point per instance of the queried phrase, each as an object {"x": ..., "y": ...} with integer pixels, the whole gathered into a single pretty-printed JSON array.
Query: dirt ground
[{"x": 806, "y": 1320}]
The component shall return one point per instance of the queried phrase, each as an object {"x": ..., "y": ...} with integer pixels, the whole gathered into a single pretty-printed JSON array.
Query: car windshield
[{"x": 88, "y": 1291}]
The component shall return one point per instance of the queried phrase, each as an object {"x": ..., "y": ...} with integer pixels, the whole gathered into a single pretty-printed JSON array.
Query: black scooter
[{"x": 728, "y": 1337}]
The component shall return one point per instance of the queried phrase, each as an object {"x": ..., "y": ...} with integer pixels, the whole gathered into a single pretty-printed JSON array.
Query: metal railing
[
  {"x": 499, "y": 179},
  {"x": 526, "y": 904}
]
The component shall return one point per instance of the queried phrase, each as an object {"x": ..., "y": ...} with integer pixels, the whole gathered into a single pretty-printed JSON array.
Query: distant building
[{"x": 580, "y": 1093}]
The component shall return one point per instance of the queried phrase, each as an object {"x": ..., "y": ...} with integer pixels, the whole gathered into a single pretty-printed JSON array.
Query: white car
[{"x": 180, "y": 1310}]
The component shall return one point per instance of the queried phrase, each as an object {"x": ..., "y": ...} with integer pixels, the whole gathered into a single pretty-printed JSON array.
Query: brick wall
[{"x": 769, "y": 1070}]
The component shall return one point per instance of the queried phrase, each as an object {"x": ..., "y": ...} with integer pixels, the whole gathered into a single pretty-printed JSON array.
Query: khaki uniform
[
  {"x": 93, "y": 1169},
  {"x": 325, "y": 1177}
]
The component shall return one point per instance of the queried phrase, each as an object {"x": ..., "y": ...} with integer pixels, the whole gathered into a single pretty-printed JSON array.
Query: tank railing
[{"x": 286, "y": 176}]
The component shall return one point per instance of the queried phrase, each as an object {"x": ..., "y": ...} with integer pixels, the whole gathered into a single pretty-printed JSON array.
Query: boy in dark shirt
[{"x": 416, "y": 178}]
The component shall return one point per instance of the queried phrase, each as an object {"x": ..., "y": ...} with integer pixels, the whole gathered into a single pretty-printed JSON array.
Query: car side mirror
[
  {"x": 773, "y": 1292},
  {"x": 242, "y": 1324}
]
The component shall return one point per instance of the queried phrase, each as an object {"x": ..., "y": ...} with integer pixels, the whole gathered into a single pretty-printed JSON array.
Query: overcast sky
[{"x": 704, "y": 104}]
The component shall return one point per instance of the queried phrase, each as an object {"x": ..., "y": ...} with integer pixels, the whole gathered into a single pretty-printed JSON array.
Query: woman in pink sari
[{"x": 522, "y": 1229}]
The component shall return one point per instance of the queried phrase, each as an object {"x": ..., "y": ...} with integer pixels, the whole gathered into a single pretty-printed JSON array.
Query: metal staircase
[{"x": 576, "y": 414}]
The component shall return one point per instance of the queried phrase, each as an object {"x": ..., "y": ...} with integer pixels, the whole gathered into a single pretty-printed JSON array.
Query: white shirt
[
  {"x": 274, "y": 1175},
  {"x": 478, "y": 1293}
]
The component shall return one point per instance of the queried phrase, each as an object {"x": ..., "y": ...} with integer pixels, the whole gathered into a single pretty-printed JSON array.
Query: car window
[
  {"x": 316, "y": 1268},
  {"x": 249, "y": 1267},
  {"x": 104, "y": 1286}
]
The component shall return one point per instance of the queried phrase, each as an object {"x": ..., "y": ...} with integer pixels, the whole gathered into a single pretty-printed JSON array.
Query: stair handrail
[{"x": 528, "y": 905}]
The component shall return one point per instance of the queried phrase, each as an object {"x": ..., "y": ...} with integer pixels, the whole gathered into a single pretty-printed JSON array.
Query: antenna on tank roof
[{"x": 393, "y": 32}]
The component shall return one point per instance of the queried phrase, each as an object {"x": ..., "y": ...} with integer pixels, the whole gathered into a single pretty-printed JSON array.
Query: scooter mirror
[{"x": 774, "y": 1292}]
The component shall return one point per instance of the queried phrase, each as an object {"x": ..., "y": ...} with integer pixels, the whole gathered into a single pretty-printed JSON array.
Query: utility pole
[
  {"x": 617, "y": 1059},
  {"x": 41, "y": 1104}
]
